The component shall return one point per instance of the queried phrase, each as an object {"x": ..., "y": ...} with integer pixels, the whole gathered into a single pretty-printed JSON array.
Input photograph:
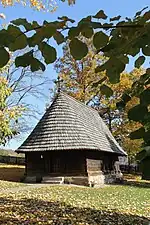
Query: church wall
[
  {"x": 99, "y": 167},
  {"x": 34, "y": 163},
  {"x": 96, "y": 166},
  {"x": 56, "y": 163}
]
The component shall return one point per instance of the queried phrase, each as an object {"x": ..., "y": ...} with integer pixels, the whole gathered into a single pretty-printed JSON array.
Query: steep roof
[{"x": 70, "y": 125}]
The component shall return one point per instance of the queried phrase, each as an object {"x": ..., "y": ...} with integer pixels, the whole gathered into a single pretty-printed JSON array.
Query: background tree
[
  {"x": 8, "y": 115},
  {"x": 26, "y": 87},
  {"x": 48, "y": 6},
  {"x": 79, "y": 76}
]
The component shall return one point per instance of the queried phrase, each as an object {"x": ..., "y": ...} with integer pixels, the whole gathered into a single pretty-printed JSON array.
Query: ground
[
  {"x": 127, "y": 204},
  {"x": 11, "y": 172}
]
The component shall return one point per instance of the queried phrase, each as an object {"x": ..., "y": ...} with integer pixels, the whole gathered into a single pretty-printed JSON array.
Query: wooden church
[{"x": 71, "y": 143}]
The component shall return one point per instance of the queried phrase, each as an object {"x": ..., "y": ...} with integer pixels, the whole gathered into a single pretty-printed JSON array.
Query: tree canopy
[
  {"x": 8, "y": 115},
  {"x": 118, "y": 39}
]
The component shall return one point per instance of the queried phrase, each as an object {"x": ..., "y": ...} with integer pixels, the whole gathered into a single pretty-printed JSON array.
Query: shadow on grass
[
  {"x": 11, "y": 173},
  {"x": 141, "y": 184},
  {"x": 32, "y": 211}
]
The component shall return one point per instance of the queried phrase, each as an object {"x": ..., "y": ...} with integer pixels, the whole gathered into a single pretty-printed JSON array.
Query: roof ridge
[{"x": 76, "y": 100}]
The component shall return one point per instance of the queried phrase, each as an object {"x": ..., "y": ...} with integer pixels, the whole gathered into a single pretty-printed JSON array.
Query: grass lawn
[
  {"x": 5, "y": 185},
  {"x": 71, "y": 205},
  {"x": 62, "y": 205}
]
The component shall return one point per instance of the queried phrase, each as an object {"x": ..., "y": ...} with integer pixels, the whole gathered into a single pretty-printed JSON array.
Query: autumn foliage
[
  {"x": 8, "y": 115},
  {"x": 40, "y": 5}
]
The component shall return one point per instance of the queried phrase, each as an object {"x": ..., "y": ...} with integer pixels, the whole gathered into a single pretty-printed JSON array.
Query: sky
[{"x": 81, "y": 9}]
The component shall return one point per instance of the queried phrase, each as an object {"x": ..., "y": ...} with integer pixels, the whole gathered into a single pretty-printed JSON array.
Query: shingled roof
[{"x": 70, "y": 125}]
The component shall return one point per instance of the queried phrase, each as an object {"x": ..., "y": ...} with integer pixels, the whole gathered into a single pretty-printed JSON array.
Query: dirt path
[
  {"x": 32, "y": 186},
  {"x": 23, "y": 187}
]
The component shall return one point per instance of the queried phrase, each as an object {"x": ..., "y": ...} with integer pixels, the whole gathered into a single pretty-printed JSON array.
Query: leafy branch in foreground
[
  {"x": 116, "y": 39},
  {"x": 80, "y": 81}
]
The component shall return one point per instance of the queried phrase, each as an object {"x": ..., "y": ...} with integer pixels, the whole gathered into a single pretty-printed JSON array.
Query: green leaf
[
  {"x": 148, "y": 71},
  {"x": 95, "y": 25},
  {"x": 143, "y": 154},
  {"x": 65, "y": 18},
  {"x": 113, "y": 68},
  {"x": 139, "y": 12},
  {"x": 59, "y": 38},
  {"x": 147, "y": 137},
  {"x": 145, "y": 97},
  {"x": 4, "y": 57},
  {"x": 115, "y": 18},
  {"x": 18, "y": 38},
  {"x": 109, "y": 47},
  {"x": 126, "y": 98},
  {"x": 124, "y": 59},
  {"x": 100, "y": 15},
  {"x": 48, "y": 52},
  {"x": 23, "y": 22},
  {"x": 78, "y": 49},
  {"x": 35, "y": 24},
  {"x": 46, "y": 31},
  {"x": 120, "y": 105},
  {"x": 5, "y": 38},
  {"x": 137, "y": 134},
  {"x": 85, "y": 22},
  {"x": 139, "y": 61},
  {"x": 14, "y": 31},
  {"x": 133, "y": 50},
  {"x": 105, "y": 90},
  {"x": 146, "y": 50},
  {"x": 146, "y": 16},
  {"x": 37, "y": 65},
  {"x": 35, "y": 39},
  {"x": 114, "y": 76},
  {"x": 74, "y": 32},
  {"x": 19, "y": 43},
  {"x": 100, "y": 40},
  {"x": 24, "y": 60},
  {"x": 137, "y": 113},
  {"x": 88, "y": 32},
  {"x": 28, "y": 60}
]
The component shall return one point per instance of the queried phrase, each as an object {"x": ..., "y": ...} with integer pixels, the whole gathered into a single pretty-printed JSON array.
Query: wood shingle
[{"x": 70, "y": 125}]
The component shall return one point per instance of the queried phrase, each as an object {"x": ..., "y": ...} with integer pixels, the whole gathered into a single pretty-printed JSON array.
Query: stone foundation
[
  {"x": 81, "y": 180},
  {"x": 30, "y": 179},
  {"x": 96, "y": 178}
]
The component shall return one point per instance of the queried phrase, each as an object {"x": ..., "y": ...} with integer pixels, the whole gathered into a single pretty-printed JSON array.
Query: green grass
[
  {"x": 62, "y": 205},
  {"x": 70, "y": 205},
  {"x": 6, "y": 185}
]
